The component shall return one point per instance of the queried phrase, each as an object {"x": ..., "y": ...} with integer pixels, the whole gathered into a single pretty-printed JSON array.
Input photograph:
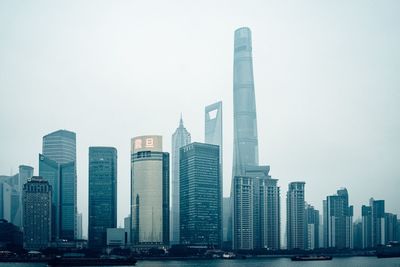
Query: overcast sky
[{"x": 327, "y": 84}]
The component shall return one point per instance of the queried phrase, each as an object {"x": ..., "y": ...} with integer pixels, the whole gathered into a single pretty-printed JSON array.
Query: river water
[{"x": 260, "y": 262}]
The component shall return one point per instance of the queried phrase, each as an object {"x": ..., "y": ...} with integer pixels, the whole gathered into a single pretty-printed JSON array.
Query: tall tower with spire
[
  {"x": 245, "y": 140},
  {"x": 180, "y": 138}
]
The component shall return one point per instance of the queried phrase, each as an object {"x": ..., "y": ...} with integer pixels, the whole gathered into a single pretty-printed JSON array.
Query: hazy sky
[{"x": 327, "y": 83}]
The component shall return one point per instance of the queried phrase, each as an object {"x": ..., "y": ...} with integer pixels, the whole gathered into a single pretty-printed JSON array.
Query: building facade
[
  {"x": 256, "y": 206},
  {"x": 295, "y": 216},
  {"x": 102, "y": 194},
  {"x": 180, "y": 138},
  {"x": 57, "y": 164},
  {"x": 37, "y": 213},
  {"x": 312, "y": 226},
  {"x": 149, "y": 192},
  {"x": 245, "y": 140},
  {"x": 338, "y": 220},
  {"x": 200, "y": 195}
]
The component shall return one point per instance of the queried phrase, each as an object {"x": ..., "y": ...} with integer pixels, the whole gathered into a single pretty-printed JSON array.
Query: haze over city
[{"x": 326, "y": 84}]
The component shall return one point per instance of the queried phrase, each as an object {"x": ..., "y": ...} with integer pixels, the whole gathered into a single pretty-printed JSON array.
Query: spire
[{"x": 181, "y": 121}]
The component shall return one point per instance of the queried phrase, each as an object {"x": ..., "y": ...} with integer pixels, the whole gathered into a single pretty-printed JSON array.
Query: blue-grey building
[
  {"x": 295, "y": 226},
  {"x": 338, "y": 220},
  {"x": 102, "y": 194},
  {"x": 245, "y": 140},
  {"x": 57, "y": 164},
  {"x": 373, "y": 224},
  {"x": 200, "y": 195},
  {"x": 180, "y": 138},
  {"x": 37, "y": 213}
]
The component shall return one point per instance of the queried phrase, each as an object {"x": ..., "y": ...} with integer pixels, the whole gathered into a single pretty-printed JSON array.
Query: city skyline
[{"x": 325, "y": 131}]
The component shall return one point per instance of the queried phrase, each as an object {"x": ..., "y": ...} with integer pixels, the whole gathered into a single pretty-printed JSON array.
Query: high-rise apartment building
[
  {"x": 102, "y": 194},
  {"x": 180, "y": 138},
  {"x": 200, "y": 195},
  {"x": 37, "y": 213},
  {"x": 312, "y": 226},
  {"x": 256, "y": 206},
  {"x": 57, "y": 164},
  {"x": 390, "y": 227},
  {"x": 149, "y": 192},
  {"x": 366, "y": 215},
  {"x": 338, "y": 220},
  {"x": 373, "y": 224},
  {"x": 295, "y": 226}
]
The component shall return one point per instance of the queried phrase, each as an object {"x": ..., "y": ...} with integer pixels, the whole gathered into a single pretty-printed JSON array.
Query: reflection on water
[{"x": 281, "y": 262}]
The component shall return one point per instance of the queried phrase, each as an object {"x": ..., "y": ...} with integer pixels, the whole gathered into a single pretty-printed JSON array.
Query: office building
[
  {"x": 366, "y": 215},
  {"x": 295, "y": 216},
  {"x": 102, "y": 194},
  {"x": 57, "y": 164},
  {"x": 200, "y": 195},
  {"x": 37, "y": 213},
  {"x": 245, "y": 143},
  {"x": 213, "y": 135},
  {"x": 180, "y": 138},
  {"x": 149, "y": 192}
]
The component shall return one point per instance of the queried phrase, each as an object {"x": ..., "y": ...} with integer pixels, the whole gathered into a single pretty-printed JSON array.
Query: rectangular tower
[
  {"x": 102, "y": 194},
  {"x": 37, "y": 213},
  {"x": 295, "y": 216},
  {"x": 57, "y": 164},
  {"x": 200, "y": 195}
]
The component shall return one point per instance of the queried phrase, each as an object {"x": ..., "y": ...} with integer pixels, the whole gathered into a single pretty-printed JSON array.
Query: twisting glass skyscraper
[
  {"x": 245, "y": 141},
  {"x": 180, "y": 138}
]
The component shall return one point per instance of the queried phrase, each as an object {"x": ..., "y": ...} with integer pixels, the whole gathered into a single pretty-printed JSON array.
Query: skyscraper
[
  {"x": 25, "y": 173},
  {"x": 378, "y": 222},
  {"x": 338, "y": 218},
  {"x": 37, "y": 213},
  {"x": 390, "y": 227},
  {"x": 366, "y": 215},
  {"x": 213, "y": 135},
  {"x": 373, "y": 224},
  {"x": 295, "y": 216},
  {"x": 149, "y": 192},
  {"x": 180, "y": 138},
  {"x": 245, "y": 143},
  {"x": 312, "y": 228},
  {"x": 102, "y": 194},
  {"x": 57, "y": 164},
  {"x": 200, "y": 195},
  {"x": 256, "y": 206},
  {"x": 5, "y": 201}
]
